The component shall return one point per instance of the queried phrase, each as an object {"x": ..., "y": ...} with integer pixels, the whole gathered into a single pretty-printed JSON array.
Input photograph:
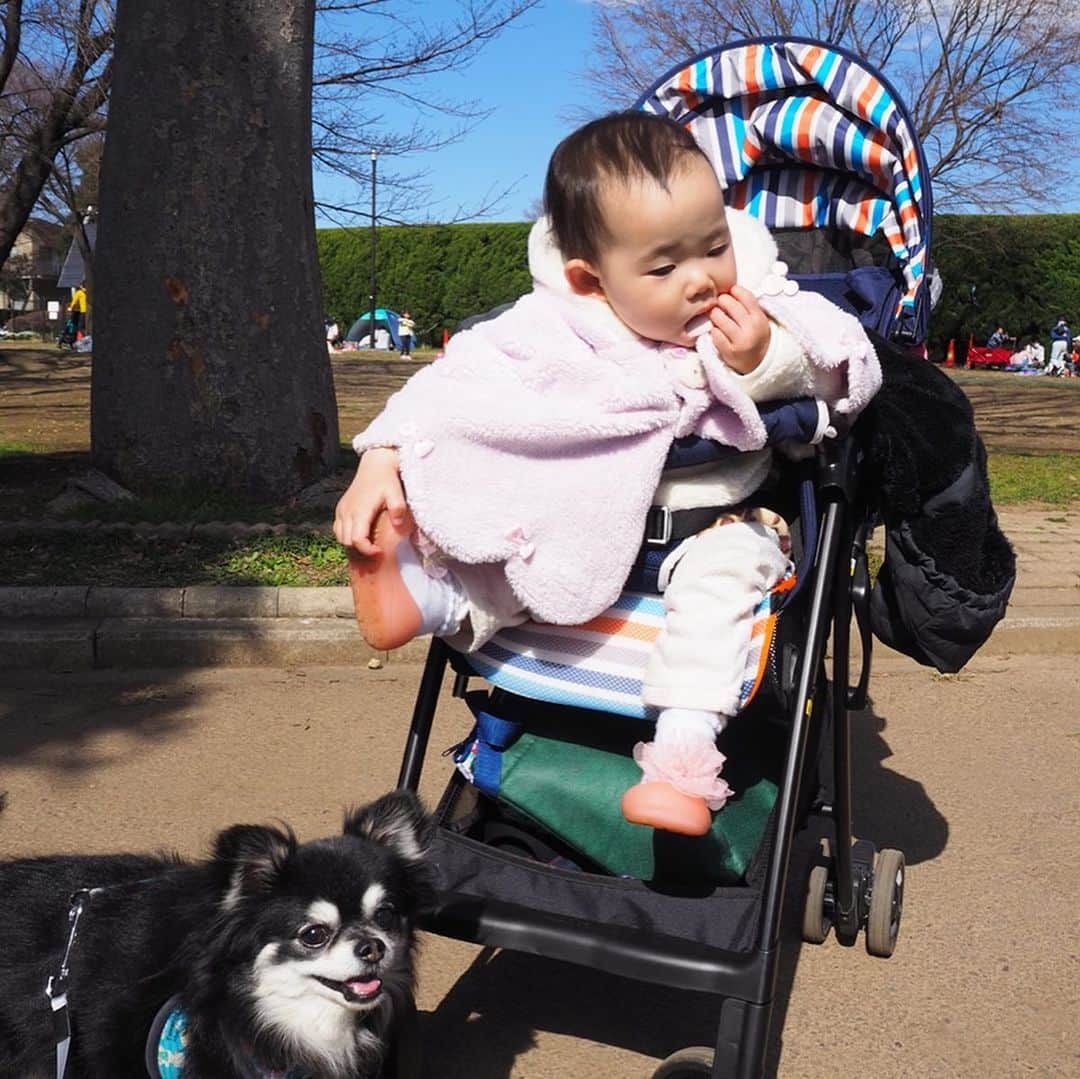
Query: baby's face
[{"x": 670, "y": 256}]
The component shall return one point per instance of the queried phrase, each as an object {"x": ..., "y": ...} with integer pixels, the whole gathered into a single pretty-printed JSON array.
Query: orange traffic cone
[
  {"x": 445, "y": 336},
  {"x": 950, "y": 354}
]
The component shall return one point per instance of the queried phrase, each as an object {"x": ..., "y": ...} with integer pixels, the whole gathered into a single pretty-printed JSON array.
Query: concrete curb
[
  {"x": 193, "y": 601},
  {"x": 84, "y": 644},
  {"x": 80, "y": 627}
]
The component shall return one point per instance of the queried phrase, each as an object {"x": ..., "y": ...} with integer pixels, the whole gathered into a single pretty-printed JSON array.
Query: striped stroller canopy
[{"x": 804, "y": 135}]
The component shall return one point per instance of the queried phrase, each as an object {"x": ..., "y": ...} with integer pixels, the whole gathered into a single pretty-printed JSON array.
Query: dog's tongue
[{"x": 364, "y": 988}]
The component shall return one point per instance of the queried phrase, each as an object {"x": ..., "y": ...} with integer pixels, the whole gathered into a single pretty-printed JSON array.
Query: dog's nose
[{"x": 370, "y": 949}]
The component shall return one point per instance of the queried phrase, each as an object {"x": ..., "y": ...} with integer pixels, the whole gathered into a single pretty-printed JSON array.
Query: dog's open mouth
[{"x": 355, "y": 990}]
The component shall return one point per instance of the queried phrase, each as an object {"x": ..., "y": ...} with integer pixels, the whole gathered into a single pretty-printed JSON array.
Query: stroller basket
[{"x": 565, "y": 776}]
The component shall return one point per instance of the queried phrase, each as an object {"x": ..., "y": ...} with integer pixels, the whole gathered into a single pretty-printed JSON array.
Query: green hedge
[
  {"x": 440, "y": 273},
  {"x": 1025, "y": 270}
]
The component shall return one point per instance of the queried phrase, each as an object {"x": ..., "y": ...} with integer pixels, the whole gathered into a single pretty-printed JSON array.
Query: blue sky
[{"x": 533, "y": 74}]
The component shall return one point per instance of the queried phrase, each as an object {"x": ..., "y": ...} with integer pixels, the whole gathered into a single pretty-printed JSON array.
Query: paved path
[{"x": 976, "y": 784}]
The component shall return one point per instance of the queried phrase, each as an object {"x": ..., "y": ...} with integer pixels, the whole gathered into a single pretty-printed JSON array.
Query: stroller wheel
[
  {"x": 816, "y": 922},
  {"x": 886, "y": 904},
  {"x": 686, "y": 1064}
]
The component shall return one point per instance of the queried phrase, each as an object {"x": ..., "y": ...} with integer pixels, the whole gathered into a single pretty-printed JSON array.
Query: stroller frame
[{"x": 746, "y": 980}]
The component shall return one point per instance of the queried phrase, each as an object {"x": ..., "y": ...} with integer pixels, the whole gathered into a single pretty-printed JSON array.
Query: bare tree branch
[
  {"x": 53, "y": 95},
  {"x": 390, "y": 53},
  {"x": 56, "y": 72}
]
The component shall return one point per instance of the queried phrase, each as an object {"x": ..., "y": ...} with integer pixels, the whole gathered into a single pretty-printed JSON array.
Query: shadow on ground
[{"x": 46, "y": 722}]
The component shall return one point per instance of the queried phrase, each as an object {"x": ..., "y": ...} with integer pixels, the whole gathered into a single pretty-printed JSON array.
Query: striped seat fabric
[
  {"x": 601, "y": 664},
  {"x": 803, "y": 135}
]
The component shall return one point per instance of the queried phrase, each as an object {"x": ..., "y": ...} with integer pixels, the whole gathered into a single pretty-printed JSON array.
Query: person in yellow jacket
[{"x": 77, "y": 309}]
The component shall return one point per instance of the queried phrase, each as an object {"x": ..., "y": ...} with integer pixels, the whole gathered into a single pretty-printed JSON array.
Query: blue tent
[{"x": 385, "y": 319}]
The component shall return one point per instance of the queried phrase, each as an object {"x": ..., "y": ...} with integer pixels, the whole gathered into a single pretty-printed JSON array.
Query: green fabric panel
[{"x": 574, "y": 790}]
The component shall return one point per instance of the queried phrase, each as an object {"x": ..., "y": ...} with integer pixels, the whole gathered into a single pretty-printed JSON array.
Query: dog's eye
[
  {"x": 314, "y": 936},
  {"x": 385, "y": 918}
]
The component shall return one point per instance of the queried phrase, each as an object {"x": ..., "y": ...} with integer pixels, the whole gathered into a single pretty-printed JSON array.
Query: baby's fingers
[
  {"x": 395, "y": 504},
  {"x": 352, "y": 527},
  {"x": 360, "y": 535}
]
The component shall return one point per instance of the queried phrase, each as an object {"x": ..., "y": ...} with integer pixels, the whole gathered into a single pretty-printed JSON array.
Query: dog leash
[{"x": 57, "y": 986}]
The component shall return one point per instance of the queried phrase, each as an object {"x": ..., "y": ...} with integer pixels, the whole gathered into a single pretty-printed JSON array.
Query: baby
[{"x": 534, "y": 449}]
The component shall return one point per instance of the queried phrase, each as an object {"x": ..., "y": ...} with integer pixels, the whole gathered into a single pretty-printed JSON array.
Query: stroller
[
  {"x": 69, "y": 334},
  {"x": 531, "y": 853}
]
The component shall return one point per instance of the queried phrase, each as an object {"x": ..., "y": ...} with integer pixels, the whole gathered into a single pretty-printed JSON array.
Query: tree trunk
[{"x": 210, "y": 365}]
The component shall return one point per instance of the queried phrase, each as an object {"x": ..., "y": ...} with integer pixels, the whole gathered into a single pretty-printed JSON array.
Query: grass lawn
[
  {"x": 312, "y": 557},
  {"x": 150, "y": 561},
  {"x": 1051, "y": 477},
  {"x": 1030, "y": 426},
  {"x": 30, "y": 479}
]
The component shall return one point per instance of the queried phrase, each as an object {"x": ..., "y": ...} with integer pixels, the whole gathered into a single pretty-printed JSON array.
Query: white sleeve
[{"x": 785, "y": 370}]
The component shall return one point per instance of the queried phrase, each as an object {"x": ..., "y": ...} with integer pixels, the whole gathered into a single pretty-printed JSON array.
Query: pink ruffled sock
[{"x": 684, "y": 754}]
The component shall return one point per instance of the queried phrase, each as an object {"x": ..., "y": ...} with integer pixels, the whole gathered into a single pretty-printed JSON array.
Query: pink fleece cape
[{"x": 538, "y": 440}]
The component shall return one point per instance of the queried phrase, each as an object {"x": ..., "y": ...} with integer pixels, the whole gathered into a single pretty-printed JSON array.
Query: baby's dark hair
[{"x": 622, "y": 145}]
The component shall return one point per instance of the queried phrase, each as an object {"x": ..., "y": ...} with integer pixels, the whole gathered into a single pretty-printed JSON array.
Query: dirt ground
[
  {"x": 45, "y": 401},
  {"x": 968, "y": 777}
]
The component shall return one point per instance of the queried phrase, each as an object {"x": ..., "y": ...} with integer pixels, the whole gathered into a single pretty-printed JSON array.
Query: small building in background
[{"x": 29, "y": 279}]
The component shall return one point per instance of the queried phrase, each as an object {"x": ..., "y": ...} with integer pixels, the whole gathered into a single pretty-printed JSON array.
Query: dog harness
[{"x": 166, "y": 1047}]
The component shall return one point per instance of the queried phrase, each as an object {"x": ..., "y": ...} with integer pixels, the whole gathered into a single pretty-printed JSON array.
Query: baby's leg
[
  {"x": 395, "y": 599},
  {"x": 696, "y": 669},
  {"x": 699, "y": 658}
]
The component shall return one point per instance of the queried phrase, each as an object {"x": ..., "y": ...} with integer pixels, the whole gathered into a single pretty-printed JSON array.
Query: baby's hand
[
  {"x": 740, "y": 330},
  {"x": 375, "y": 487}
]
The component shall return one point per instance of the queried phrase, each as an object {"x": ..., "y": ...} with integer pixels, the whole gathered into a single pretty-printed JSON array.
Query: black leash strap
[{"x": 57, "y": 985}]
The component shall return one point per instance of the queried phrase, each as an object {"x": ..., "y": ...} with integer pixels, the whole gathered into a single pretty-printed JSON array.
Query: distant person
[
  {"x": 1038, "y": 355},
  {"x": 77, "y": 310},
  {"x": 998, "y": 339},
  {"x": 333, "y": 333},
  {"x": 406, "y": 331},
  {"x": 1021, "y": 359},
  {"x": 1060, "y": 344}
]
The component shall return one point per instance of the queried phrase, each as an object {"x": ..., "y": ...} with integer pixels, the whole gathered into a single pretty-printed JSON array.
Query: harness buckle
[{"x": 658, "y": 526}]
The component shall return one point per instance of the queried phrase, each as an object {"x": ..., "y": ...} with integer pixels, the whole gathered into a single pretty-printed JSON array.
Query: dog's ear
[
  {"x": 250, "y": 857},
  {"x": 397, "y": 820}
]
